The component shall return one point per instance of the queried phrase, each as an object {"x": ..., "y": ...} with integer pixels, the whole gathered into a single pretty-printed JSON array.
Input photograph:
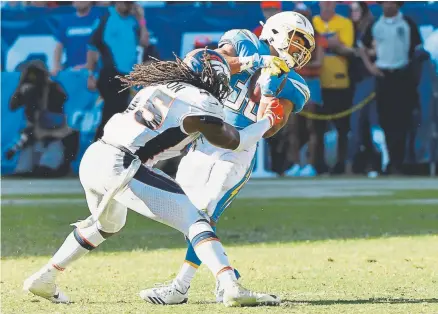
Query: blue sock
[{"x": 191, "y": 255}]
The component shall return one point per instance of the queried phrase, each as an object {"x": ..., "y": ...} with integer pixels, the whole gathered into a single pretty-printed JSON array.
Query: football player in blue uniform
[{"x": 286, "y": 42}]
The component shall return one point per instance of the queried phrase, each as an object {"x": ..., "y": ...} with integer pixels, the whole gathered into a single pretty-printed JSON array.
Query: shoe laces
[
  {"x": 168, "y": 288},
  {"x": 164, "y": 284}
]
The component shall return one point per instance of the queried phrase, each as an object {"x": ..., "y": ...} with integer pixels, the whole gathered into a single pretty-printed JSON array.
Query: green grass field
[{"x": 374, "y": 254}]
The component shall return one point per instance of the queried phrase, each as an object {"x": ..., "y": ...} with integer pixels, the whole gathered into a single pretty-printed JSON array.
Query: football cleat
[
  {"x": 219, "y": 290},
  {"x": 236, "y": 296},
  {"x": 166, "y": 294},
  {"x": 42, "y": 284}
]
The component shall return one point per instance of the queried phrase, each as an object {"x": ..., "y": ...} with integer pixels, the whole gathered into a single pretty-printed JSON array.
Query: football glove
[
  {"x": 271, "y": 65},
  {"x": 274, "y": 112}
]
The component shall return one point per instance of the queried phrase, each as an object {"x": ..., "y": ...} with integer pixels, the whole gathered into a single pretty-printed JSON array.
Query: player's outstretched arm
[
  {"x": 224, "y": 135},
  {"x": 273, "y": 64},
  {"x": 288, "y": 107}
]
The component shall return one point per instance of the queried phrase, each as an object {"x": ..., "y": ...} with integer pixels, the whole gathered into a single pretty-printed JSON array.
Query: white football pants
[
  {"x": 150, "y": 193},
  {"x": 212, "y": 177}
]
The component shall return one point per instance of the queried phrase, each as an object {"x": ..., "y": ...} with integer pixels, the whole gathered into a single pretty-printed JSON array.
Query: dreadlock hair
[{"x": 164, "y": 72}]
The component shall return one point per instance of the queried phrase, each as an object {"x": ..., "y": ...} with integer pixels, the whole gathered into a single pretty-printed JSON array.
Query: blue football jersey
[{"x": 239, "y": 111}]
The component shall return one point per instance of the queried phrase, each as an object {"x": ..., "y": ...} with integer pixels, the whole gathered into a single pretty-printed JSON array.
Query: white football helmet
[{"x": 279, "y": 30}]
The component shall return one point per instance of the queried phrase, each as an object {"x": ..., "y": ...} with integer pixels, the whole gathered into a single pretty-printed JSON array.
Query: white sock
[
  {"x": 186, "y": 274},
  {"x": 78, "y": 243},
  {"x": 210, "y": 251}
]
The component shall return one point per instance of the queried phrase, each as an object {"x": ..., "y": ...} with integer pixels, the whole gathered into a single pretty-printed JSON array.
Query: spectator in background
[
  {"x": 269, "y": 8},
  {"x": 115, "y": 39},
  {"x": 73, "y": 36},
  {"x": 337, "y": 94},
  {"x": 42, "y": 146},
  {"x": 365, "y": 156},
  {"x": 394, "y": 38},
  {"x": 299, "y": 128}
]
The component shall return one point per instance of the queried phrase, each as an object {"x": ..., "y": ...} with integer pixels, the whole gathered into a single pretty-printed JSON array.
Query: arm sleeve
[
  {"x": 207, "y": 107},
  {"x": 271, "y": 85},
  {"x": 241, "y": 40},
  {"x": 250, "y": 135},
  {"x": 296, "y": 91}
]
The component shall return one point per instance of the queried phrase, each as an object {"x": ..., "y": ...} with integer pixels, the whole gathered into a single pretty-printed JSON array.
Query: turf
[{"x": 328, "y": 255}]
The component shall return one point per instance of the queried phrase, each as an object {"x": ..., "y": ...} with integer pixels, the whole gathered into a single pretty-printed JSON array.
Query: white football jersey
[{"x": 154, "y": 119}]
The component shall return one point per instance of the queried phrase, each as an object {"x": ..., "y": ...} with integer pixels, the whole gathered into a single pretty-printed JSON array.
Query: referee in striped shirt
[{"x": 393, "y": 39}]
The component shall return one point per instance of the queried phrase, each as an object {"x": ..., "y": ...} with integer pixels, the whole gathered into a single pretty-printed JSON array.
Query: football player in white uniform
[
  {"x": 220, "y": 173},
  {"x": 181, "y": 101}
]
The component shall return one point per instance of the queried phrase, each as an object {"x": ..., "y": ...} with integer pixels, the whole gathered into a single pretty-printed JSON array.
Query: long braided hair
[{"x": 163, "y": 72}]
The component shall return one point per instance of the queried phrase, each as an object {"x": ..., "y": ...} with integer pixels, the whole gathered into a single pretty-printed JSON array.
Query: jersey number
[
  {"x": 154, "y": 111},
  {"x": 242, "y": 99}
]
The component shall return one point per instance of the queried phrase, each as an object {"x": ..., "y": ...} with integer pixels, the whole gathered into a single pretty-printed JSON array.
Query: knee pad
[{"x": 113, "y": 218}]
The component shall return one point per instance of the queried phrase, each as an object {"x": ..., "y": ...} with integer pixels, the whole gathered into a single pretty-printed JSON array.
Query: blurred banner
[{"x": 28, "y": 34}]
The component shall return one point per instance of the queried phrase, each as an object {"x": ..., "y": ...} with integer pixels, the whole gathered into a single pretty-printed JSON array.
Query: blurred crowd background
[{"x": 373, "y": 80}]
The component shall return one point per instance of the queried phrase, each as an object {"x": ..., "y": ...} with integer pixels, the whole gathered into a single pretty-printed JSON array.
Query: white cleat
[
  {"x": 166, "y": 294},
  {"x": 219, "y": 292},
  {"x": 237, "y": 295},
  {"x": 42, "y": 284}
]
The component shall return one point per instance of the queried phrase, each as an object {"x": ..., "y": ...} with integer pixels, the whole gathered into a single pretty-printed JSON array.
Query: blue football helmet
[{"x": 196, "y": 60}]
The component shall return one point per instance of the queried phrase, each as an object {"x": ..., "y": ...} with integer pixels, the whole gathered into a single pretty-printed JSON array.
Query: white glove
[{"x": 270, "y": 64}]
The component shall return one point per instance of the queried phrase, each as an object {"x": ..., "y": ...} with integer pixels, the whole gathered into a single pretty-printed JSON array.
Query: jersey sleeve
[
  {"x": 296, "y": 91},
  {"x": 242, "y": 40},
  {"x": 271, "y": 85},
  {"x": 202, "y": 105}
]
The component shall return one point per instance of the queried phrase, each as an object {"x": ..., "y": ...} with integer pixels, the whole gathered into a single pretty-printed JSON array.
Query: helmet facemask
[{"x": 298, "y": 58}]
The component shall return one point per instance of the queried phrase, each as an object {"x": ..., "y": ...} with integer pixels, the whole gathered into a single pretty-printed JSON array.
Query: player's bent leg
[
  {"x": 78, "y": 243},
  {"x": 164, "y": 201},
  {"x": 225, "y": 178},
  {"x": 213, "y": 176}
]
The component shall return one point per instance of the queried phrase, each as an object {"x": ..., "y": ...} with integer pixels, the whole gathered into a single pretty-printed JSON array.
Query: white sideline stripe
[
  {"x": 410, "y": 201},
  {"x": 42, "y": 201},
  {"x": 67, "y": 201},
  {"x": 244, "y": 195},
  {"x": 255, "y": 189}
]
